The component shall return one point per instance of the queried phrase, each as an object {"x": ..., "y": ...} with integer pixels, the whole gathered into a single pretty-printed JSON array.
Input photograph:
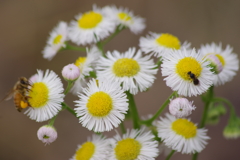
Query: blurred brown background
[{"x": 24, "y": 28}]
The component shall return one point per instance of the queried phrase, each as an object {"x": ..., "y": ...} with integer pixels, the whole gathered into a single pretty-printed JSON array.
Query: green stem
[
  {"x": 170, "y": 155},
  {"x": 65, "y": 106},
  {"x": 100, "y": 47},
  {"x": 70, "y": 47},
  {"x": 232, "y": 110},
  {"x": 158, "y": 64},
  {"x": 101, "y": 44},
  {"x": 202, "y": 124},
  {"x": 133, "y": 110},
  {"x": 118, "y": 30},
  {"x": 206, "y": 106},
  {"x": 98, "y": 133},
  {"x": 164, "y": 105},
  {"x": 207, "y": 98},
  {"x": 122, "y": 127},
  {"x": 69, "y": 86},
  {"x": 195, "y": 156},
  {"x": 92, "y": 74},
  {"x": 51, "y": 121},
  {"x": 204, "y": 116}
]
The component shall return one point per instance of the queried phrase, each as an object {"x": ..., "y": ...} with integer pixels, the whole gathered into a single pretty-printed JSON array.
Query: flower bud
[
  {"x": 232, "y": 131},
  {"x": 181, "y": 107},
  {"x": 215, "y": 63},
  {"x": 47, "y": 134},
  {"x": 70, "y": 72}
]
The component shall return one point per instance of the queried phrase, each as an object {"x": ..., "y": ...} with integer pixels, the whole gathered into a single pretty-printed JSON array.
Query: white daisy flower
[
  {"x": 181, "y": 135},
  {"x": 125, "y": 18},
  {"x": 85, "y": 64},
  {"x": 102, "y": 105},
  {"x": 56, "y": 40},
  {"x": 91, "y": 27},
  {"x": 136, "y": 73},
  {"x": 96, "y": 148},
  {"x": 134, "y": 145},
  {"x": 159, "y": 44},
  {"x": 47, "y": 134},
  {"x": 229, "y": 63},
  {"x": 181, "y": 107},
  {"x": 46, "y": 96},
  {"x": 187, "y": 72}
]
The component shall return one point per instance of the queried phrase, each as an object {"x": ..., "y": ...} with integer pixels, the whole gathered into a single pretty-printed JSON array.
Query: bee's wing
[{"x": 8, "y": 96}]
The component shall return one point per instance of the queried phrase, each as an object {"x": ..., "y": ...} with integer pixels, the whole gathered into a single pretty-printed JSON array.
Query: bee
[
  {"x": 19, "y": 94},
  {"x": 193, "y": 77}
]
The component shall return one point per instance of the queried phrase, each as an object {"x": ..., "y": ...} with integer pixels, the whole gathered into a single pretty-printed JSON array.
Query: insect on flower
[
  {"x": 193, "y": 77},
  {"x": 19, "y": 94}
]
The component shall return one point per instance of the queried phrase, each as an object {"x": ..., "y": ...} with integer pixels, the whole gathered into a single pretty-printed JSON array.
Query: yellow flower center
[
  {"x": 80, "y": 62},
  {"x": 39, "y": 95},
  {"x": 184, "y": 128},
  {"x": 169, "y": 41},
  {"x": 85, "y": 152},
  {"x": 127, "y": 149},
  {"x": 100, "y": 104},
  {"x": 126, "y": 67},
  {"x": 124, "y": 16},
  {"x": 188, "y": 64},
  {"x": 89, "y": 20},
  {"x": 221, "y": 59},
  {"x": 57, "y": 39}
]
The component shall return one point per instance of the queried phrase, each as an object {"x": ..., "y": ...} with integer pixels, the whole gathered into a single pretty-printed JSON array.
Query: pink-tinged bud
[
  {"x": 70, "y": 72},
  {"x": 215, "y": 63},
  {"x": 181, "y": 107},
  {"x": 47, "y": 134}
]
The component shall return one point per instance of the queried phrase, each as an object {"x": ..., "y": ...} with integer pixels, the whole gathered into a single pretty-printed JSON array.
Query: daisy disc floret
[
  {"x": 187, "y": 72},
  {"x": 134, "y": 72},
  {"x": 102, "y": 105},
  {"x": 90, "y": 27},
  {"x": 96, "y": 148},
  {"x": 159, "y": 44},
  {"x": 125, "y": 18},
  {"x": 229, "y": 62},
  {"x": 134, "y": 145},
  {"x": 46, "y": 96},
  {"x": 181, "y": 135},
  {"x": 47, "y": 134},
  {"x": 56, "y": 40}
]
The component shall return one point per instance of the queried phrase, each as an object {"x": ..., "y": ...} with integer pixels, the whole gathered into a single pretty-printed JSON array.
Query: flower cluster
[{"x": 106, "y": 82}]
